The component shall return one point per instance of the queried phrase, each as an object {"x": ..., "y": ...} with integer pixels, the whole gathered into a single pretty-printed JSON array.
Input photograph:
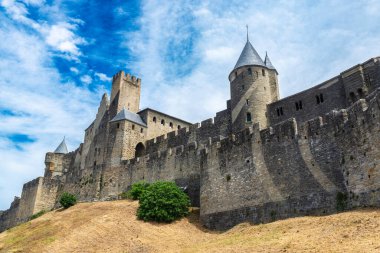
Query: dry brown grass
[{"x": 113, "y": 227}]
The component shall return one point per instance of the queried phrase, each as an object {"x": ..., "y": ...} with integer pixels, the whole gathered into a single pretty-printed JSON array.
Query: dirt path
[{"x": 112, "y": 227}]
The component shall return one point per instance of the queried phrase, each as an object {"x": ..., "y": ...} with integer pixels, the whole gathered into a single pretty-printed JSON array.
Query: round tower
[{"x": 253, "y": 85}]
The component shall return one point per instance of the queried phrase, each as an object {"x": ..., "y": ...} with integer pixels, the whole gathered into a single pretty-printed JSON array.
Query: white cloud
[
  {"x": 46, "y": 109},
  {"x": 74, "y": 70},
  {"x": 305, "y": 50},
  {"x": 59, "y": 35},
  {"x": 103, "y": 77},
  {"x": 86, "y": 79}
]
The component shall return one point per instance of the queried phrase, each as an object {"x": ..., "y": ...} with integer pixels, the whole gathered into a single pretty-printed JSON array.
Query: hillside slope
[{"x": 112, "y": 227}]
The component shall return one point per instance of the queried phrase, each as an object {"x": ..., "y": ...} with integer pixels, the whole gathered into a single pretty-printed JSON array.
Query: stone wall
[{"x": 285, "y": 171}]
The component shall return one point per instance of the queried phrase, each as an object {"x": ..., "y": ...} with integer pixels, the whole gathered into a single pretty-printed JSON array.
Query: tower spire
[{"x": 247, "y": 32}]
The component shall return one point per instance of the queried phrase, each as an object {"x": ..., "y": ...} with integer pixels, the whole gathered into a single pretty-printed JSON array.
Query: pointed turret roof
[
  {"x": 130, "y": 116},
  {"x": 249, "y": 56},
  {"x": 62, "y": 148},
  {"x": 268, "y": 63}
]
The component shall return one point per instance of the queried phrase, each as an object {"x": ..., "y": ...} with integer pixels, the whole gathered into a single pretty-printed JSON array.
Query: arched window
[
  {"x": 263, "y": 72},
  {"x": 179, "y": 127},
  {"x": 139, "y": 150},
  {"x": 154, "y": 119},
  {"x": 171, "y": 124},
  {"x": 163, "y": 122},
  {"x": 249, "y": 117}
]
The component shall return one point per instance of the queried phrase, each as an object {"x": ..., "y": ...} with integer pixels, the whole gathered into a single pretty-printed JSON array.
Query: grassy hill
[{"x": 112, "y": 227}]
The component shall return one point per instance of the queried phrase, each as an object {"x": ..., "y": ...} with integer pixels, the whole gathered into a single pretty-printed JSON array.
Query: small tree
[
  {"x": 67, "y": 200},
  {"x": 137, "y": 189},
  {"x": 163, "y": 202}
]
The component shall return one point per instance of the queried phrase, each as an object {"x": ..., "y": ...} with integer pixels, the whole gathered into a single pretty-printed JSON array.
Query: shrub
[
  {"x": 36, "y": 215},
  {"x": 163, "y": 202},
  {"x": 136, "y": 190},
  {"x": 67, "y": 200},
  {"x": 125, "y": 195}
]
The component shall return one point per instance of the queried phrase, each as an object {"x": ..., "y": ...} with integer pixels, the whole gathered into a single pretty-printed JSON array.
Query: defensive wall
[
  {"x": 294, "y": 167},
  {"x": 286, "y": 170}
]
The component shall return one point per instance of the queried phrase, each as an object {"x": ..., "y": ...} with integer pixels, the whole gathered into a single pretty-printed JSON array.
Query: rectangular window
[
  {"x": 280, "y": 111},
  {"x": 319, "y": 98}
]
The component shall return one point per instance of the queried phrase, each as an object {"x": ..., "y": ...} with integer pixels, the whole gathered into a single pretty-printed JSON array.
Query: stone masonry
[{"x": 261, "y": 159}]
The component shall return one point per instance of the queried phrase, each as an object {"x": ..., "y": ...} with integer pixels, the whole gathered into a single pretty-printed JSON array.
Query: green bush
[
  {"x": 67, "y": 200},
  {"x": 36, "y": 215},
  {"x": 125, "y": 195},
  {"x": 163, "y": 202},
  {"x": 137, "y": 189}
]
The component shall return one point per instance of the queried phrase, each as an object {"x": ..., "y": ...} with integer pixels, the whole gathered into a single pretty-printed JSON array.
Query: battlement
[{"x": 126, "y": 77}]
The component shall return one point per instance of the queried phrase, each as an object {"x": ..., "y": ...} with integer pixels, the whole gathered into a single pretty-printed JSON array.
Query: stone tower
[
  {"x": 125, "y": 93},
  {"x": 253, "y": 85}
]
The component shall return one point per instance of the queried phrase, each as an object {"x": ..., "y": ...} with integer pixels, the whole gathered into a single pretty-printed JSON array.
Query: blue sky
[{"x": 57, "y": 59}]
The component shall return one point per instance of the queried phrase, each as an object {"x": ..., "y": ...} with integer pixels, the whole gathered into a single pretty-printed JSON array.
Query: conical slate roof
[
  {"x": 130, "y": 116},
  {"x": 268, "y": 63},
  {"x": 62, "y": 148},
  {"x": 249, "y": 56}
]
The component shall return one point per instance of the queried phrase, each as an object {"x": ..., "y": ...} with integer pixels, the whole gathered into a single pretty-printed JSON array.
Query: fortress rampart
[{"x": 258, "y": 160}]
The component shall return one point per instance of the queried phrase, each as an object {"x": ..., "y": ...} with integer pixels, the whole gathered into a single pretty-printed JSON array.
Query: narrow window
[
  {"x": 141, "y": 130},
  {"x": 163, "y": 122},
  {"x": 242, "y": 87},
  {"x": 133, "y": 127},
  {"x": 263, "y": 72},
  {"x": 249, "y": 117},
  {"x": 257, "y": 74},
  {"x": 297, "y": 106},
  {"x": 247, "y": 101},
  {"x": 300, "y": 105},
  {"x": 236, "y": 74},
  {"x": 321, "y": 98},
  {"x": 249, "y": 71},
  {"x": 278, "y": 112},
  {"x": 179, "y": 127},
  {"x": 352, "y": 97},
  {"x": 117, "y": 125},
  {"x": 281, "y": 111},
  {"x": 154, "y": 119},
  {"x": 171, "y": 124},
  {"x": 318, "y": 101},
  {"x": 361, "y": 93}
]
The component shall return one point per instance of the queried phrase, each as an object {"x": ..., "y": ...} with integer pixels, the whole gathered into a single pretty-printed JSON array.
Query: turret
[
  {"x": 55, "y": 162},
  {"x": 253, "y": 85}
]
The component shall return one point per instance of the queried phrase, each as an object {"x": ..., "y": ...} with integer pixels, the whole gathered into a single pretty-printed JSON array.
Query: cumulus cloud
[
  {"x": 62, "y": 38},
  {"x": 59, "y": 35},
  {"x": 74, "y": 70},
  {"x": 86, "y": 79},
  {"x": 103, "y": 77}
]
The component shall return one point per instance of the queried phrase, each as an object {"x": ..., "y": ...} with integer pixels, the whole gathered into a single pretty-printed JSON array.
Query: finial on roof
[{"x": 247, "y": 32}]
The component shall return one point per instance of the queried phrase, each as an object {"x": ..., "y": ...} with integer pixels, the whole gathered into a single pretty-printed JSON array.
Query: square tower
[{"x": 125, "y": 93}]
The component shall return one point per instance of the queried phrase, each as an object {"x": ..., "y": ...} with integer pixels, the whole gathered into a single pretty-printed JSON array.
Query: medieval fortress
[{"x": 262, "y": 158}]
